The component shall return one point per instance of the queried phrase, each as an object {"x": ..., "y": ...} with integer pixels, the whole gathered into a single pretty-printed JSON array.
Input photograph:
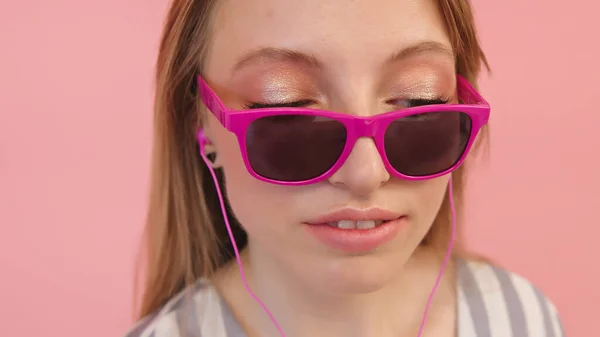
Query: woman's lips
[
  {"x": 356, "y": 240},
  {"x": 356, "y": 231}
]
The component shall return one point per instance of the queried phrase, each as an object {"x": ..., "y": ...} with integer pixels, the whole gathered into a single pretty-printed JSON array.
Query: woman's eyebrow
[
  {"x": 276, "y": 54},
  {"x": 272, "y": 54},
  {"x": 422, "y": 47}
]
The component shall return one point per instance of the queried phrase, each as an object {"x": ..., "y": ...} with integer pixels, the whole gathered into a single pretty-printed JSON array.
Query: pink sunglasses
[{"x": 300, "y": 146}]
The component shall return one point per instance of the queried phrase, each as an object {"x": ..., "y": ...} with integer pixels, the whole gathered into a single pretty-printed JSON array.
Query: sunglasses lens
[
  {"x": 294, "y": 147},
  {"x": 427, "y": 144}
]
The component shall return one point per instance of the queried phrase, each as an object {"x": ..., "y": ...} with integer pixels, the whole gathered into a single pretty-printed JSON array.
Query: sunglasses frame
[{"x": 238, "y": 121}]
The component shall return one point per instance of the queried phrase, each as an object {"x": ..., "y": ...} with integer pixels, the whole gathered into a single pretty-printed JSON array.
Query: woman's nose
[{"x": 363, "y": 172}]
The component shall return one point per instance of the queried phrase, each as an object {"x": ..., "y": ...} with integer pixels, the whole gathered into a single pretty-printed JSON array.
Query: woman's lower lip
[{"x": 356, "y": 240}]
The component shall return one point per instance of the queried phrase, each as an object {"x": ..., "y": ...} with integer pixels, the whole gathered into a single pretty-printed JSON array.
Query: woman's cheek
[{"x": 255, "y": 203}]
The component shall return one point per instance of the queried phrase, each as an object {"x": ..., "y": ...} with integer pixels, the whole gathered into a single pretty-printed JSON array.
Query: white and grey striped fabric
[{"x": 492, "y": 302}]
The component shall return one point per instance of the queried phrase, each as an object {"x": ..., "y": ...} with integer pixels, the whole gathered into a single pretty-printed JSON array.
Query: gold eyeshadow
[{"x": 279, "y": 83}]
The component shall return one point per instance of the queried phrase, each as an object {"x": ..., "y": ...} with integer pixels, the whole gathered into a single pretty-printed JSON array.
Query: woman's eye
[
  {"x": 294, "y": 104},
  {"x": 408, "y": 103},
  {"x": 422, "y": 102},
  {"x": 411, "y": 103}
]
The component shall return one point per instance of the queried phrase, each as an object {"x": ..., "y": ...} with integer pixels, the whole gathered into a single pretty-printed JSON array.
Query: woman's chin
[
  {"x": 360, "y": 286},
  {"x": 357, "y": 275}
]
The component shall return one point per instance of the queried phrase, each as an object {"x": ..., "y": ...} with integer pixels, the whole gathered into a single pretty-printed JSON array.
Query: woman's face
[{"x": 360, "y": 57}]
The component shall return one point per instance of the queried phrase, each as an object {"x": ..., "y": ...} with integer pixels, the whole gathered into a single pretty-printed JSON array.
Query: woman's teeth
[{"x": 351, "y": 224}]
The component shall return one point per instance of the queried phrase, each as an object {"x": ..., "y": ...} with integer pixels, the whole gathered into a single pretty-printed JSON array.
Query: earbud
[{"x": 208, "y": 149}]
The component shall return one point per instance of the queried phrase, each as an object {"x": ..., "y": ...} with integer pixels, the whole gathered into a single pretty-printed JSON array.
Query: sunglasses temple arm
[
  {"x": 468, "y": 92},
  {"x": 211, "y": 101}
]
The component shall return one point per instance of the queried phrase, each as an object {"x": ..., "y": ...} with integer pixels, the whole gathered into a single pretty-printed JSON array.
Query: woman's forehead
[{"x": 344, "y": 33}]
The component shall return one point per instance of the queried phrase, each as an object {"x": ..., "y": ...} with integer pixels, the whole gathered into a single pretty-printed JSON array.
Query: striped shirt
[{"x": 492, "y": 302}]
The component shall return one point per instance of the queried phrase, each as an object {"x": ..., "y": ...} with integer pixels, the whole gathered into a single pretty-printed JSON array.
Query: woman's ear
[
  {"x": 210, "y": 149},
  {"x": 212, "y": 154}
]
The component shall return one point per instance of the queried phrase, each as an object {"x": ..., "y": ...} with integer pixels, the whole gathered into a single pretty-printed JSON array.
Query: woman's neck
[{"x": 391, "y": 311}]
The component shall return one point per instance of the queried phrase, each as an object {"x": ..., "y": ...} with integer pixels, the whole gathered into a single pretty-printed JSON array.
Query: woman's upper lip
[{"x": 356, "y": 214}]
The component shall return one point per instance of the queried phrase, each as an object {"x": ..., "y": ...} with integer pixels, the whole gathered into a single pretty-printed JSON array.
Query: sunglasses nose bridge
[{"x": 366, "y": 127}]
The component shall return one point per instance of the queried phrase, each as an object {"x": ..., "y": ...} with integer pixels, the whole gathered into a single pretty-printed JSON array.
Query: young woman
[{"x": 324, "y": 139}]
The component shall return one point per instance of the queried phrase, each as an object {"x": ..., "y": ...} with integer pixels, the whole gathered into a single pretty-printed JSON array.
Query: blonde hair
[{"x": 185, "y": 235}]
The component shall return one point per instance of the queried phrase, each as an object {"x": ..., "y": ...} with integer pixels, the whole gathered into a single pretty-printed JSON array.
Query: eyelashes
[
  {"x": 404, "y": 103},
  {"x": 411, "y": 103},
  {"x": 294, "y": 104}
]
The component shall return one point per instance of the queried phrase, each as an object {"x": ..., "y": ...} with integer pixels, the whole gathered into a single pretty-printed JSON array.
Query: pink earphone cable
[
  {"x": 239, "y": 260},
  {"x": 446, "y": 258}
]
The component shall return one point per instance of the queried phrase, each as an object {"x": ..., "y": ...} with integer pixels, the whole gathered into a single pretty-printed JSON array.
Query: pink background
[{"x": 75, "y": 121}]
